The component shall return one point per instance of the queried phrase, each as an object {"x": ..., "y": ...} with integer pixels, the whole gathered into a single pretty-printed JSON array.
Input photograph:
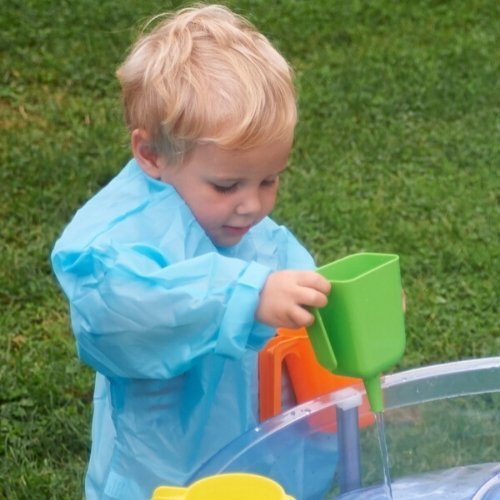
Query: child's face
[{"x": 228, "y": 191}]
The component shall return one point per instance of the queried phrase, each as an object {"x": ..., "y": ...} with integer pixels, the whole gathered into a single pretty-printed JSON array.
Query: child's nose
[{"x": 250, "y": 203}]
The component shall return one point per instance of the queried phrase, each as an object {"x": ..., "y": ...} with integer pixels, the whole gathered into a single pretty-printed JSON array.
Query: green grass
[{"x": 397, "y": 151}]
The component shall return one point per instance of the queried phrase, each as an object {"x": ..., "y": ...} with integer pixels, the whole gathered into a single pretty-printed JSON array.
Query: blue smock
[{"x": 167, "y": 321}]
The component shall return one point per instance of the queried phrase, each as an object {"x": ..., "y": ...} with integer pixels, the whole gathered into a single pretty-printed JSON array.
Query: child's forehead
[{"x": 268, "y": 159}]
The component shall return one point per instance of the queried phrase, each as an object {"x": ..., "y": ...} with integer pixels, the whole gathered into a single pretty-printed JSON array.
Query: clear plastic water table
[{"x": 442, "y": 426}]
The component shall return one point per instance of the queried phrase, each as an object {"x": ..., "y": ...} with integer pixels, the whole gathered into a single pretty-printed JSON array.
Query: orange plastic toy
[{"x": 308, "y": 378}]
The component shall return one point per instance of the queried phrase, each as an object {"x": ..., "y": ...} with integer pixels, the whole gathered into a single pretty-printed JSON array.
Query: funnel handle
[{"x": 320, "y": 341}]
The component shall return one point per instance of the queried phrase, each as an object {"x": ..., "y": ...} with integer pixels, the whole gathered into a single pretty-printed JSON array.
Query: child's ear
[{"x": 144, "y": 153}]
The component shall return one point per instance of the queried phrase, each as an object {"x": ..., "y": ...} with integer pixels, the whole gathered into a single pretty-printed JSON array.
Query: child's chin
[
  {"x": 229, "y": 237},
  {"x": 226, "y": 242}
]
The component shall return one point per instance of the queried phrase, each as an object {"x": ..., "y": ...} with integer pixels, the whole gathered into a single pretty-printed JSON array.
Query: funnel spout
[{"x": 374, "y": 393}]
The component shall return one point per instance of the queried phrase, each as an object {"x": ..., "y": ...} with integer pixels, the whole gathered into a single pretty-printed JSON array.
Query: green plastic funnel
[{"x": 360, "y": 332}]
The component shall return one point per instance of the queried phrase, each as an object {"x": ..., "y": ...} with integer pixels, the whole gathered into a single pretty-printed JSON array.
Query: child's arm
[{"x": 136, "y": 316}]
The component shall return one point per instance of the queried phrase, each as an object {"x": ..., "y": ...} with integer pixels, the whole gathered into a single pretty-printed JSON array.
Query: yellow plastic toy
[{"x": 234, "y": 486}]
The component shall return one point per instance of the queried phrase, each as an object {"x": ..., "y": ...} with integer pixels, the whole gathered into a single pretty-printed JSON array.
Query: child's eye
[
  {"x": 225, "y": 189},
  {"x": 269, "y": 182}
]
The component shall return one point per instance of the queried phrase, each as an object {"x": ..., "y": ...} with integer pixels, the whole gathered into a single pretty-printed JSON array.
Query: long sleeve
[{"x": 135, "y": 316}]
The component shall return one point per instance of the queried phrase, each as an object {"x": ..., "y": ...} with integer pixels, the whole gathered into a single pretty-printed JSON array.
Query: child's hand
[{"x": 285, "y": 296}]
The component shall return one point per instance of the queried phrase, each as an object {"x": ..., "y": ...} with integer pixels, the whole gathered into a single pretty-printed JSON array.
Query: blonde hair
[{"x": 205, "y": 75}]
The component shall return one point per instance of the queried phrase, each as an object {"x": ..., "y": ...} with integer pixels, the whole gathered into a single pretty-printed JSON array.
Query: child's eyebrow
[{"x": 238, "y": 179}]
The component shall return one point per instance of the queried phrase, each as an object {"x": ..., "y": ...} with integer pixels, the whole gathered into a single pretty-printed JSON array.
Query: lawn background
[{"x": 396, "y": 151}]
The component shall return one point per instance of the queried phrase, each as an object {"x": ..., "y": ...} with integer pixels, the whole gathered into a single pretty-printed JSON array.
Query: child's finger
[
  {"x": 311, "y": 297},
  {"x": 314, "y": 280},
  {"x": 299, "y": 317}
]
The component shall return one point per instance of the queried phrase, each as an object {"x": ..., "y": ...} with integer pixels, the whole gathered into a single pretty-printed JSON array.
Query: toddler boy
[{"x": 174, "y": 272}]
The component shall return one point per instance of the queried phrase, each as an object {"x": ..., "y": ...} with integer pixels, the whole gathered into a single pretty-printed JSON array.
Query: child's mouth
[{"x": 236, "y": 230}]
